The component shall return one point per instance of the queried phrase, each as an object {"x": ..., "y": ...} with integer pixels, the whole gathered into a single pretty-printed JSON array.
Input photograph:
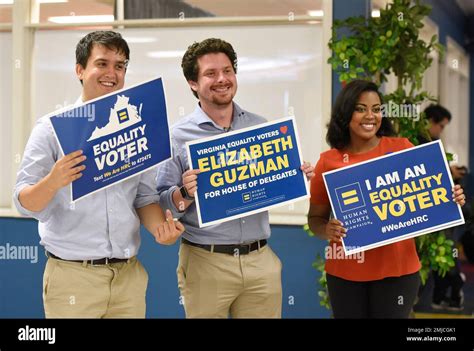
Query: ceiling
[
  {"x": 219, "y": 8},
  {"x": 256, "y": 7}
]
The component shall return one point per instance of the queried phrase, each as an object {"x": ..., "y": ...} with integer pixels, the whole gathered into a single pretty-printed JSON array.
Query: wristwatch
[{"x": 185, "y": 194}]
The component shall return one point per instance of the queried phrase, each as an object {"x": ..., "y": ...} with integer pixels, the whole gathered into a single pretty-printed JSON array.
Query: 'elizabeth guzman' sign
[
  {"x": 122, "y": 134},
  {"x": 413, "y": 196},
  {"x": 247, "y": 171}
]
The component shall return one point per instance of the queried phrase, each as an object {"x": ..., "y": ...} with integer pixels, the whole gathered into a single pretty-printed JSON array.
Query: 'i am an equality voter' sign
[
  {"x": 393, "y": 197},
  {"x": 247, "y": 171},
  {"x": 122, "y": 134}
]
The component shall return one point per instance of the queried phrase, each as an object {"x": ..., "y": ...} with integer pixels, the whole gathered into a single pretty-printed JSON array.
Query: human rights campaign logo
[
  {"x": 246, "y": 197},
  {"x": 123, "y": 115},
  {"x": 350, "y": 197}
]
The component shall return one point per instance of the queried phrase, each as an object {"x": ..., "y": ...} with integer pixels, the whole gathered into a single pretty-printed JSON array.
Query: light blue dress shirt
[
  {"x": 194, "y": 126},
  {"x": 104, "y": 224}
]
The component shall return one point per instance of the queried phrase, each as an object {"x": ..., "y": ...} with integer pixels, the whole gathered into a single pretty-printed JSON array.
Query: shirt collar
[{"x": 202, "y": 118}]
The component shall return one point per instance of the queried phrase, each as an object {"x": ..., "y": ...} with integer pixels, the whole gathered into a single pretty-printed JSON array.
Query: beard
[{"x": 222, "y": 100}]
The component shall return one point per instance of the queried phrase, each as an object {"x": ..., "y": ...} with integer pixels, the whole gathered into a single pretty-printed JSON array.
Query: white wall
[{"x": 6, "y": 156}]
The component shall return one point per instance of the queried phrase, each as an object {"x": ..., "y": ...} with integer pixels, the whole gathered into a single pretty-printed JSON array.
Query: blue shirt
[
  {"x": 194, "y": 126},
  {"x": 104, "y": 224}
]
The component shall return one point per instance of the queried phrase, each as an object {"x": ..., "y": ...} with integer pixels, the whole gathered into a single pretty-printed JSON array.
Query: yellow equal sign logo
[
  {"x": 350, "y": 197},
  {"x": 246, "y": 197},
  {"x": 123, "y": 115}
]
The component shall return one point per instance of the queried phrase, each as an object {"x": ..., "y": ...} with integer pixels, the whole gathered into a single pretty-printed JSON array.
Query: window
[{"x": 454, "y": 90}]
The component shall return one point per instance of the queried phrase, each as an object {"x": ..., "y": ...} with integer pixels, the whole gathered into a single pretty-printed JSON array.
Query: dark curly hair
[
  {"x": 338, "y": 135},
  {"x": 207, "y": 46},
  {"x": 111, "y": 40}
]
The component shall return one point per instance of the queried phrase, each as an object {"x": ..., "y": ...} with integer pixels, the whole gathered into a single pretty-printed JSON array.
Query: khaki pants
[
  {"x": 218, "y": 285},
  {"x": 77, "y": 290}
]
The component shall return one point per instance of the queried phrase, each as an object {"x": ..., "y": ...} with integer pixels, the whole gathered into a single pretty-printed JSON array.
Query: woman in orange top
[{"x": 381, "y": 282}]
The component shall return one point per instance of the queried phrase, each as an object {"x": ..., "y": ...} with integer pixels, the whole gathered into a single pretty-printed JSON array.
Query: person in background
[{"x": 453, "y": 281}]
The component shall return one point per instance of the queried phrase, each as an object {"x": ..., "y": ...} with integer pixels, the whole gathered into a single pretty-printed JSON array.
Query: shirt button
[
  {"x": 243, "y": 222},
  {"x": 111, "y": 211}
]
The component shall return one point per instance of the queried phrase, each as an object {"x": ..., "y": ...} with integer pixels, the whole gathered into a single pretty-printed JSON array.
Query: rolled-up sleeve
[
  {"x": 41, "y": 153},
  {"x": 146, "y": 193},
  {"x": 169, "y": 178}
]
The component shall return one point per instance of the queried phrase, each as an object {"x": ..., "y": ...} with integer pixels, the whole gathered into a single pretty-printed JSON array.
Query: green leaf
[{"x": 440, "y": 239}]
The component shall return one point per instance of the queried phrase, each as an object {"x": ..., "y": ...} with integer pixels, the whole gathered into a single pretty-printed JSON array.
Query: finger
[
  {"x": 76, "y": 170},
  {"x": 69, "y": 157},
  {"x": 169, "y": 216},
  {"x": 459, "y": 191},
  {"x": 191, "y": 172},
  {"x": 159, "y": 233},
  {"x": 72, "y": 155},
  {"x": 76, "y": 176},
  {"x": 167, "y": 230},
  {"x": 341, "y": 232},
  {"x": 75, "y": 161},
  {"x": 179, "y": 226},
  {"x": 305, "y": 165},
  {"x": 190, "y": 179},
  {"x": 339, "y": 224}
]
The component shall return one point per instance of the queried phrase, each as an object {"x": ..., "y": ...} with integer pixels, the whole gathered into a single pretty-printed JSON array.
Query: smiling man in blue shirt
[
  {"x": 92, "y": 270},
  {"x": 228, "y": 268}
]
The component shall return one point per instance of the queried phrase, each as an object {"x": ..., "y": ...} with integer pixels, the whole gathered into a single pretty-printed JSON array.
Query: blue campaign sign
[
  {"x": 247, "y": 171},
  {"x": 122, "y": 134},
  {"x": 393, "y": 197}
]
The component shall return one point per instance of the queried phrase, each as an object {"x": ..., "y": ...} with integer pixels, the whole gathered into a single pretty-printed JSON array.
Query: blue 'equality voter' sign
[
  {"x": 393, "y": 197},
  {"x": 247, "y": 171},
  {"x": 122, "y": 134}
]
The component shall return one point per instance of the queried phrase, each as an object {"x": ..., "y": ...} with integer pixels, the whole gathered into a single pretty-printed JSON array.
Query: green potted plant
[{"x": 374, "y": 48}]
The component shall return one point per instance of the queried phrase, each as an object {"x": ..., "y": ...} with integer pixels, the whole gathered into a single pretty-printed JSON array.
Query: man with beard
[{"x": 228, "y": 268}]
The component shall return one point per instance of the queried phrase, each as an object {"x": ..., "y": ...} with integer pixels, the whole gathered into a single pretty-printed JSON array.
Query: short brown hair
[{"x": 207, "y": 46}]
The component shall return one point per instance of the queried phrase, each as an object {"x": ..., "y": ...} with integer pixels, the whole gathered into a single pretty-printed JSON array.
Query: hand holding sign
[
  {"x": 65, "y": 170},
  {"x": 394, "y": 197},
  {"x": 458, "y": 195},
  {"x": 190, "y": 181},
  {"x": 334, "y": 231},
  {"x": 128, "y": 135},
  {"x": 245, "y": 172},
  {"x": 308, "y": 170}
]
